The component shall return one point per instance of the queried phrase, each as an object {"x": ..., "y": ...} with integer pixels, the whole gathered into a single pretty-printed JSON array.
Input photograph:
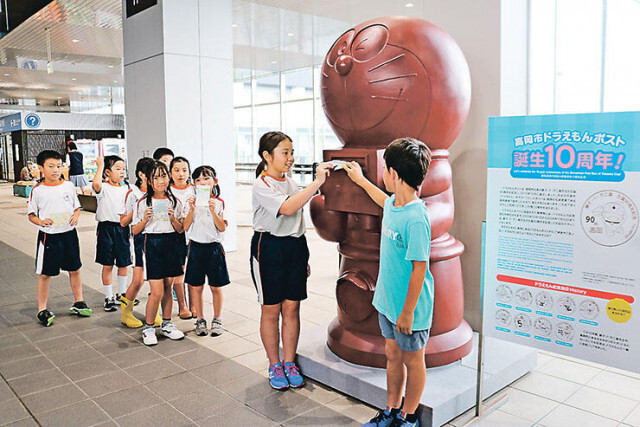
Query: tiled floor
[{"x": 94, "y": 371}]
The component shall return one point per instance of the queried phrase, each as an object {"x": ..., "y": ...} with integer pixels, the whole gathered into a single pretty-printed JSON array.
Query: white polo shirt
[
  {"x": 269, "y": 193},
  {"x": 203, "y": 229},
  {"x": 111, "y": 200},
  {"x": 158, "y": 224},
  {"x": 57, "y": 202}
]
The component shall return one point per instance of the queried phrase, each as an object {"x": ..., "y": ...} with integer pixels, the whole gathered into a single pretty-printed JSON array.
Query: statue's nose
[{"x": 344, "y": 64}]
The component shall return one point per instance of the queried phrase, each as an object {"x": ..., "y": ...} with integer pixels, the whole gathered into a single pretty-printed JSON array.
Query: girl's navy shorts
[
  {"x": 112, "y": 244},
  {"x": 160, "y": 258},
  {"x": 206, "y": 259},
  {"x": 279, "y": 267}
]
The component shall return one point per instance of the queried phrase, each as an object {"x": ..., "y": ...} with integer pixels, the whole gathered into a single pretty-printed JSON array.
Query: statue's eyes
[
  {"x": 340, "y": 47},
  {"x": 369, "y": 42}
]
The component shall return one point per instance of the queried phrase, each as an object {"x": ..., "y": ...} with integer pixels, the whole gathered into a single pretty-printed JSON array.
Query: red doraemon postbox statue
[{"x": 384, "y": 79}]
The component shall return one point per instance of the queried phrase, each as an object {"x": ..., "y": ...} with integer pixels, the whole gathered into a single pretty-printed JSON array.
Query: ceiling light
[
  {"x": 409, "y": 4},
  {"x": 75, "y": 40},
  {"x": 110, "y": 66},
  {"x": 7, "y": 74},
  {"x": 73, "y": 78},
  {"x": 59, "y": 97},
  {"x": 115, "y": 81},
  {"x": 290, "y": 34},
  {"x": 274, "y": 62},
  {"x": 234, "y": 25}
]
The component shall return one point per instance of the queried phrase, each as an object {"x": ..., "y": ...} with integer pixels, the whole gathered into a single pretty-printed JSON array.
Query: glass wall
[
  {"x": 288, "y": 101},
  {"x": 580, "y": 56}
]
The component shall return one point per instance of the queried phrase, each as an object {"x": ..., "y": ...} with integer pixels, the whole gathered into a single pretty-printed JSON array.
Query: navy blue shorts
[
  {"x": 414, "y": 342},
  {"x": 181, "y": 247},
  {"x": 279, "y": 267},
  {"x": 57, "y": 252},
  {"x": 138, "y": 249},
  {"x": 113, "y": 244},
  {"x": 160, "y": 259},
  {"x": 206, "y": 259}
]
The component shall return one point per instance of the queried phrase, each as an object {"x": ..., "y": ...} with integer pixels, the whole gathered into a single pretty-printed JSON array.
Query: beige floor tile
[
  {"x": 499, "y": 418},
  {"x": 623, "y": 372},
  {"x": 235, "y": 347},
  {"x": 564, "y": 416},
  {"x": 621, "y": 385},
  {"x": 633, "y": 418},
  {"x": 353, "y": 409},
  {"x": 319, "y": 392},
  {"x": 569, "y": 370},
  {"x": 243, "y": 327},
  {"x": 546, "y": 386},
  {"x": 254, "y": 360},
  {"x": 527, "y": 406},
  {"x": 602, "y": 403},
  {"x": 543, "y": 359}
]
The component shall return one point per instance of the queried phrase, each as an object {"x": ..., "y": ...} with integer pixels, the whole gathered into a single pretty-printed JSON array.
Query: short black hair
[
  {"x": 410, "y": 158},
  {"x": 45, "y": 155},
  {"x": 162, "y": 151},
  {"x": 72, "y": 145}
]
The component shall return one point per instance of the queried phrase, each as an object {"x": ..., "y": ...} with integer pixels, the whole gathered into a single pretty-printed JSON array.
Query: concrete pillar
[{"x": 178, "y": 74}]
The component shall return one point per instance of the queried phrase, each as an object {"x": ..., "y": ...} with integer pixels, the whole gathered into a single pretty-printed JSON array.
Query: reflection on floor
[{"x": 94, "y": 371}]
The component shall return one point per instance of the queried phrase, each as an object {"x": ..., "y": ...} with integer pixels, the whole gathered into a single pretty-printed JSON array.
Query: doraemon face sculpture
[{"x": 392, "y": 77}]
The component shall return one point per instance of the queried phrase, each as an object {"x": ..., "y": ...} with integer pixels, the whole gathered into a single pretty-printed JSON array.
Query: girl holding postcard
[
  {"x": 205, "y": 257},
  {"x": 158, "y": 215}
]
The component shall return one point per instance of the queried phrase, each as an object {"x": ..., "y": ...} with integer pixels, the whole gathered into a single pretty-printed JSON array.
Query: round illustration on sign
[
  {"x": 504, "y": 293},
  {"x": 32, "y": 120},
  {"x": 522, "y": 322},
  {"x": 524, "y": 297},
  {"x": 543, "y": 326},
  {"x": 589, "y": 309},
  {"x": 503, "y": 318},
  {"x": 609, "y": 218},
  {"x": 564, "y": 331},
  {"x": 544, "y": 300},
  {"x": 566, "y": 305}
]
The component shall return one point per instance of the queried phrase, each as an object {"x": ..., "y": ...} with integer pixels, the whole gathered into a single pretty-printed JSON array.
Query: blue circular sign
[{"x": 32, "y": 120}]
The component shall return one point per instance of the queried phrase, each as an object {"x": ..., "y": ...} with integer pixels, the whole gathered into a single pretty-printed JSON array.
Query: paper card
[
  {"x": 60, "y": 219},
  {"x": 160, "y": 210},
  {"x": 338, "y": 164},
  {"x": 203, "y": 193}
]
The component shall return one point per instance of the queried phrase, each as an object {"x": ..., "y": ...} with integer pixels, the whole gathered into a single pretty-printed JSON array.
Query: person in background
[{"x": 76, "y": 169}]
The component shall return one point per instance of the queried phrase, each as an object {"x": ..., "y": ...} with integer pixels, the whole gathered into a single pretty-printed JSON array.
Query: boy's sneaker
[
  {"x": 46, "y": 317},
  {"x": 120, "y": 296},
  {"x": 149, "y": 336},
  {"x": 170, "y": 331},
  {"x": 110, "y": 304},
  {"x": 277, "y": 378},
  {"x": 401, "y": 422},
  {"x": 292, "y": 372},
  {"x": 201, "y": 327},
  {"x": 216, "y": 327},
  {"x": 382, "y": 419},
  {"x": 81, "y": 309}
]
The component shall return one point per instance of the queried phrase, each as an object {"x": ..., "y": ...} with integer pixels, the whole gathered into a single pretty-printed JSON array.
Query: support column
[{"x": 178, "y": 72}]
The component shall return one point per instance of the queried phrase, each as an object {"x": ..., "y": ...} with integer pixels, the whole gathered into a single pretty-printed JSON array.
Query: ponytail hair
[
  {"x": 207, "y": 171},
  {"x": 268, "y": 142},
  {"x": 142, "y": 166}
]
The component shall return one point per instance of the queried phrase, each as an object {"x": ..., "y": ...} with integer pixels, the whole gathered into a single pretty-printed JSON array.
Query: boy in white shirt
[{"x": 54, "y": 207}]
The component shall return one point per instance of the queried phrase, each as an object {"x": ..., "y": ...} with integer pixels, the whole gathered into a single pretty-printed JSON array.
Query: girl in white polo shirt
[
  {"x": 205, "y": 257},
  {"x": 279, "y": 253},
  {"x": 112, "y": 240},
  {"x": 158, "y": 215}
]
